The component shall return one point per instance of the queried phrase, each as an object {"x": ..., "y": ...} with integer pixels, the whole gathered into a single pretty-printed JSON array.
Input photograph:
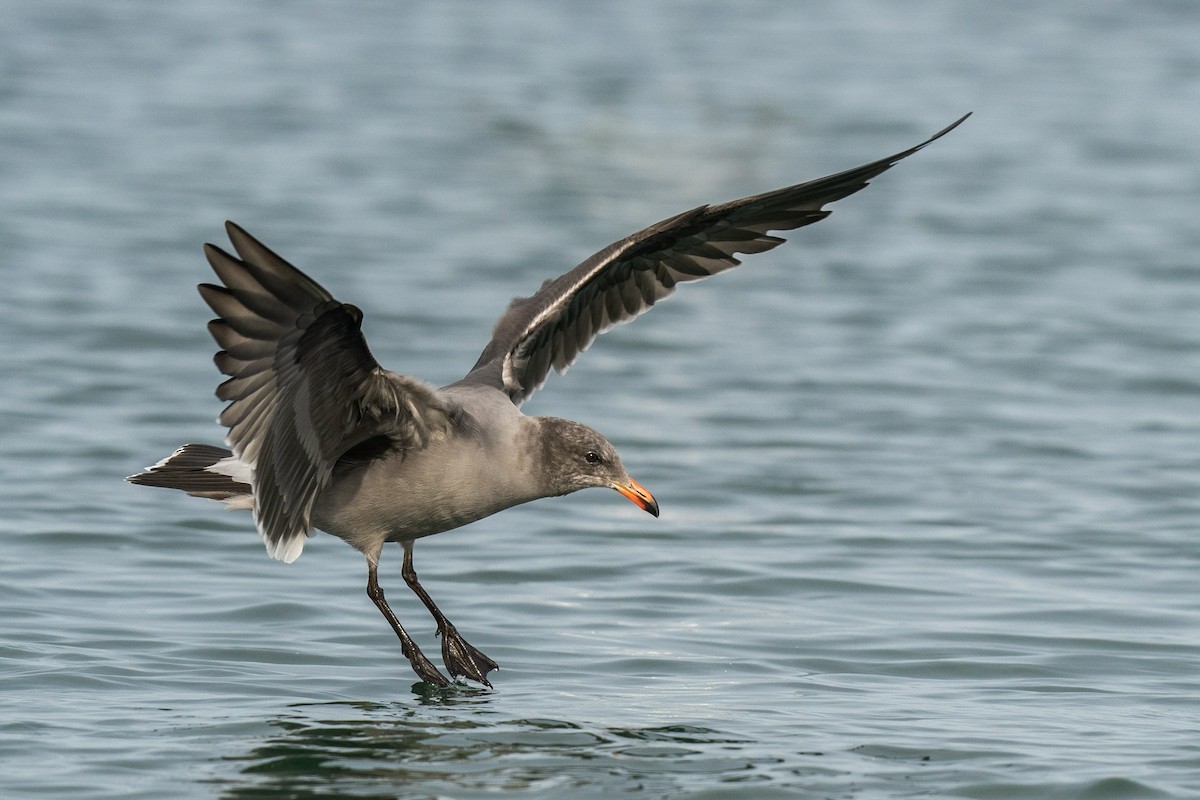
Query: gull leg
[
  {"x": 460, "y": 657},
  {"x": 421, "y": 665}
]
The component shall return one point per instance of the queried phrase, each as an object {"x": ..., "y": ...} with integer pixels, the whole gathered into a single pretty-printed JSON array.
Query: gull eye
[{"x": 592, "y": 457}]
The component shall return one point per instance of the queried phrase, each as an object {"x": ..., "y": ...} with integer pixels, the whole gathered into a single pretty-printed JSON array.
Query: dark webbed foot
[
  {"x": 424, "y": 668},
  {"x": 463, "y": 659},
  {"x": 459, "y": 656}
]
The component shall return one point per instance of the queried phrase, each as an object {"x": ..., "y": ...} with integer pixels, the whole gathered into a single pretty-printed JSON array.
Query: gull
[{"x": 321, "y": 437}]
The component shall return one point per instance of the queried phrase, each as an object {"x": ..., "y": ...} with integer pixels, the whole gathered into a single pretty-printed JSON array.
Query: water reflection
[{"x": 446, "y": 747}]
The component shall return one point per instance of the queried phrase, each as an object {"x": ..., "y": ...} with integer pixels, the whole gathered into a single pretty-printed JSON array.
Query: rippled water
[{"x": 929, "y": 473}]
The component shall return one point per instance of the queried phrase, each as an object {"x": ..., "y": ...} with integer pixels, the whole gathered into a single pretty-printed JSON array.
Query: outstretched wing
[
  {"x": 557, "y": 323},
  {"x": 303, "y": 389}
]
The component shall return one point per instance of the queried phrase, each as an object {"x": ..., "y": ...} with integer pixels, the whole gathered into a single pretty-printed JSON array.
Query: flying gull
[{"x": 322, "y": 437}]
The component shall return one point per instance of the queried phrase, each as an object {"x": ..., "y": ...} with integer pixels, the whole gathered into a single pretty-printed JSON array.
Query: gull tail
[{"x": 202, "y": 470}]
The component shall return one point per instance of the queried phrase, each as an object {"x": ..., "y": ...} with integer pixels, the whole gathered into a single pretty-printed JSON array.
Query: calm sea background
[{"x": 930, "y": 473}]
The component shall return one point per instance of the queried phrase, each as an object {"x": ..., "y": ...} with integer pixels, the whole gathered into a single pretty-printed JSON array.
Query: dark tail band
[{"x": 191, "y": 469}]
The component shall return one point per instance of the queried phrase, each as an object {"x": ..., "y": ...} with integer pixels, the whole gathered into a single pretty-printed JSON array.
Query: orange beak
[{"x": 639, "y": 495}]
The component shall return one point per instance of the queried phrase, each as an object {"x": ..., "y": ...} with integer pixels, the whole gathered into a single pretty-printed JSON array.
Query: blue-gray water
[{"x": 930, "y": 473}]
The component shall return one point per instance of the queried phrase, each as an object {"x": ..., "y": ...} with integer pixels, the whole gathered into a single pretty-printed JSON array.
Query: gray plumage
[{"x": 322, "y": 437}]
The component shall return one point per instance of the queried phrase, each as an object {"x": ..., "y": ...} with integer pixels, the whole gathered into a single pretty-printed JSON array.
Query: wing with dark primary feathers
[
  {"x": 557, "y": 323},
  {"x": 303, "y": 389}
]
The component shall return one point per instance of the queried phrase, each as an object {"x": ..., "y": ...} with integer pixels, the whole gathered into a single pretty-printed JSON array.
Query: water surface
[{"x": 929, "y": 473}]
